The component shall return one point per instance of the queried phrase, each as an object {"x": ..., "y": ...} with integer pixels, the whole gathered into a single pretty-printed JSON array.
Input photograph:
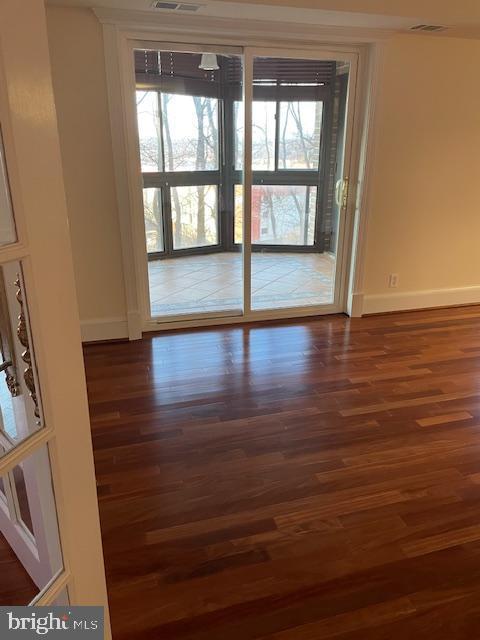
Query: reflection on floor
[
  {"x": 206, "y": 283},
  {"x": 16, "y": 586},
  {"x": 304, "y": 480}
]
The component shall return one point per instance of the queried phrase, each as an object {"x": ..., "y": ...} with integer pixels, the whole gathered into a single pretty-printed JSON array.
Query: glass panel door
[
  {"x": 191, "y": 113},
  {"x": 30, "y": 550},
  {"x": 298, "y": 123},
  {"x": 30, "y": 547},
  {"x": 186, "y": 102},
  {"x": 50, "y": 541}
]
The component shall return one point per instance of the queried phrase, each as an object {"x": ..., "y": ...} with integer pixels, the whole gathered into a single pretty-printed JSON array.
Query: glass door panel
[
  {"x": 30, "y": 550},
  {"x": 297, "y": 125},
  {"x": 148, "y": 118},
  {"x": 190, "y": 116},
  {"x": 263, "y": 135},
  {"x": 8, "y": 232},
  {"x": 299, "y": 134},
  {"x": 45, "y": 441},
  {"x": 272, "y": 222},
  {"x": 153, "y": 214},
  {"x": 283, "y": 215},
  {"x": 186, "y": 108},
  {"x": 190, "y": 127},
  {"x": 194, "y": 216},
  {"x": 20, "y": 404}
]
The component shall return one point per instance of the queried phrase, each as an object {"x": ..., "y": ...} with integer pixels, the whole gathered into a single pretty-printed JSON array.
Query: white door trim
[
  {"x": 122, "y": 28},
  {"x": 239, "y": 31}
]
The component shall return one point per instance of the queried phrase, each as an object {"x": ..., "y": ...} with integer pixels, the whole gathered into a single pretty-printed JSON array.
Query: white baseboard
[
  {"x": 409, "y": 300},
  {"x": 355, "y": 305},
  {"x": 98, "y": 329}
]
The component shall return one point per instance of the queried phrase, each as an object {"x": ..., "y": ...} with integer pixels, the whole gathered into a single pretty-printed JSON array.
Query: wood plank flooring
[
  {"x": 319, "y": 479},
  {"x": 16, "y": 586}
]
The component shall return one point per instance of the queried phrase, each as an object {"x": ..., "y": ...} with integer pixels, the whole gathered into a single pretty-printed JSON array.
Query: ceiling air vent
[
  {"x": 176, "y": 6},
  {"x": 430, "y": 28}
]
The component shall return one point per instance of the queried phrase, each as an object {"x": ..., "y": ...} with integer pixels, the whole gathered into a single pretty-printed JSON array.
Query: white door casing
[{"x": 122, "y": 29}]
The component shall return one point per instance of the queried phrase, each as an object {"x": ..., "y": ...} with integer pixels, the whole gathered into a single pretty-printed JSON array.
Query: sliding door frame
[
  {"x": 136, "y": 179},
  {"x": 341, "y": 256},
  {"x": 120, "y": 41}
]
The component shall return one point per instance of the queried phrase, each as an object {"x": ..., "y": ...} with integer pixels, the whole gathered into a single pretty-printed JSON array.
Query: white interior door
[{"x": 49, "y": 525}]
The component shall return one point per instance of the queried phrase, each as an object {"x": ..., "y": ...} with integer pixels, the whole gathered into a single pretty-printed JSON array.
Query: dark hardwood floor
[
  {"x": 16, "y": 586},
  {"x": 293, "y": 482}
]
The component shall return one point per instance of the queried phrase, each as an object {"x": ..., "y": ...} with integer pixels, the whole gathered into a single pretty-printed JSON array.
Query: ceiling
[
  {"x": 462, "y": 16},
  {"x": 450, "y": 11}
]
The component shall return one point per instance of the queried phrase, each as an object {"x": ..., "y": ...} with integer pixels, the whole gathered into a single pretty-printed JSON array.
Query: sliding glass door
[
  {"x": 296, "y": 153},
  {"x": 183, "y": 100},
  {"x": 179, "y": 143},
  {"x": 192, "y": 122}
]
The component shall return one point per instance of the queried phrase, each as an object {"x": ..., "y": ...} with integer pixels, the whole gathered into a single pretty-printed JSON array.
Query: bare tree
[
  {"x": 165, "y": 100},
  {"x": 199, "y": 166},
  {"x": 197, "y": 152},
  {"x": 151, "y": 156},
  {"x": 302, "y": 146}
]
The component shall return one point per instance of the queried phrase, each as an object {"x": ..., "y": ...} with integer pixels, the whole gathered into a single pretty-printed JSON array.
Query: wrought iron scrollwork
[
  {"x": 22, "y": 333},
  {"x": 7, "y": 349},
  {"x": 10, "y": 379}
]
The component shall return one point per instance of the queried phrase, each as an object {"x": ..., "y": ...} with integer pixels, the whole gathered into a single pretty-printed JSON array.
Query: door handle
[
  {"x": 338, "y": 192},
  {"x": 341, "y": 192}
]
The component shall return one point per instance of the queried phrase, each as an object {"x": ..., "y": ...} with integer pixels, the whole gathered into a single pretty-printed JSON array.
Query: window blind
[{"x": 266, "y": 71}]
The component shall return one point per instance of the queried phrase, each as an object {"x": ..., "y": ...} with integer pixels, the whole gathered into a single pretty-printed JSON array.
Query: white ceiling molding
[
  {"x": 386, "y": 19},
  {"x": 236, "y": 30}
]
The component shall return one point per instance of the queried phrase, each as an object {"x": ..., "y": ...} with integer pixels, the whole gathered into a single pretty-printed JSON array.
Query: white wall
[
  {"x": 424, "y": 221},
  {"x": 425, "y": 214},
  {"x": 76, "y": 49}
]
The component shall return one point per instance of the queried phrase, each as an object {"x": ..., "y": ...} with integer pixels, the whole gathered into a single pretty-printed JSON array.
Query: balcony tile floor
[{"x": 210, "y": 283}]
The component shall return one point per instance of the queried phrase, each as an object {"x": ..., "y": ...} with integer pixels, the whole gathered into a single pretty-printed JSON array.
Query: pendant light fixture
[{"x": 209, "y": 62}]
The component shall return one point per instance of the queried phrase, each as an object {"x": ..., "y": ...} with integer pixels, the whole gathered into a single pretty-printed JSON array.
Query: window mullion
[
  {"x": 164, "y": 189},
  {"x": 167, "y": 219},
  {"x": 181, "y": 179},
  {"x": 161, "y": 128},
  {"x": 323, "y": 167},
  {"x": 227, "y": 187}
]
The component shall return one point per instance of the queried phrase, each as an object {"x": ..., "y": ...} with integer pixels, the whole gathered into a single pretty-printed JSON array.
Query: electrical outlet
[{"x": 393, "y": 280}]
